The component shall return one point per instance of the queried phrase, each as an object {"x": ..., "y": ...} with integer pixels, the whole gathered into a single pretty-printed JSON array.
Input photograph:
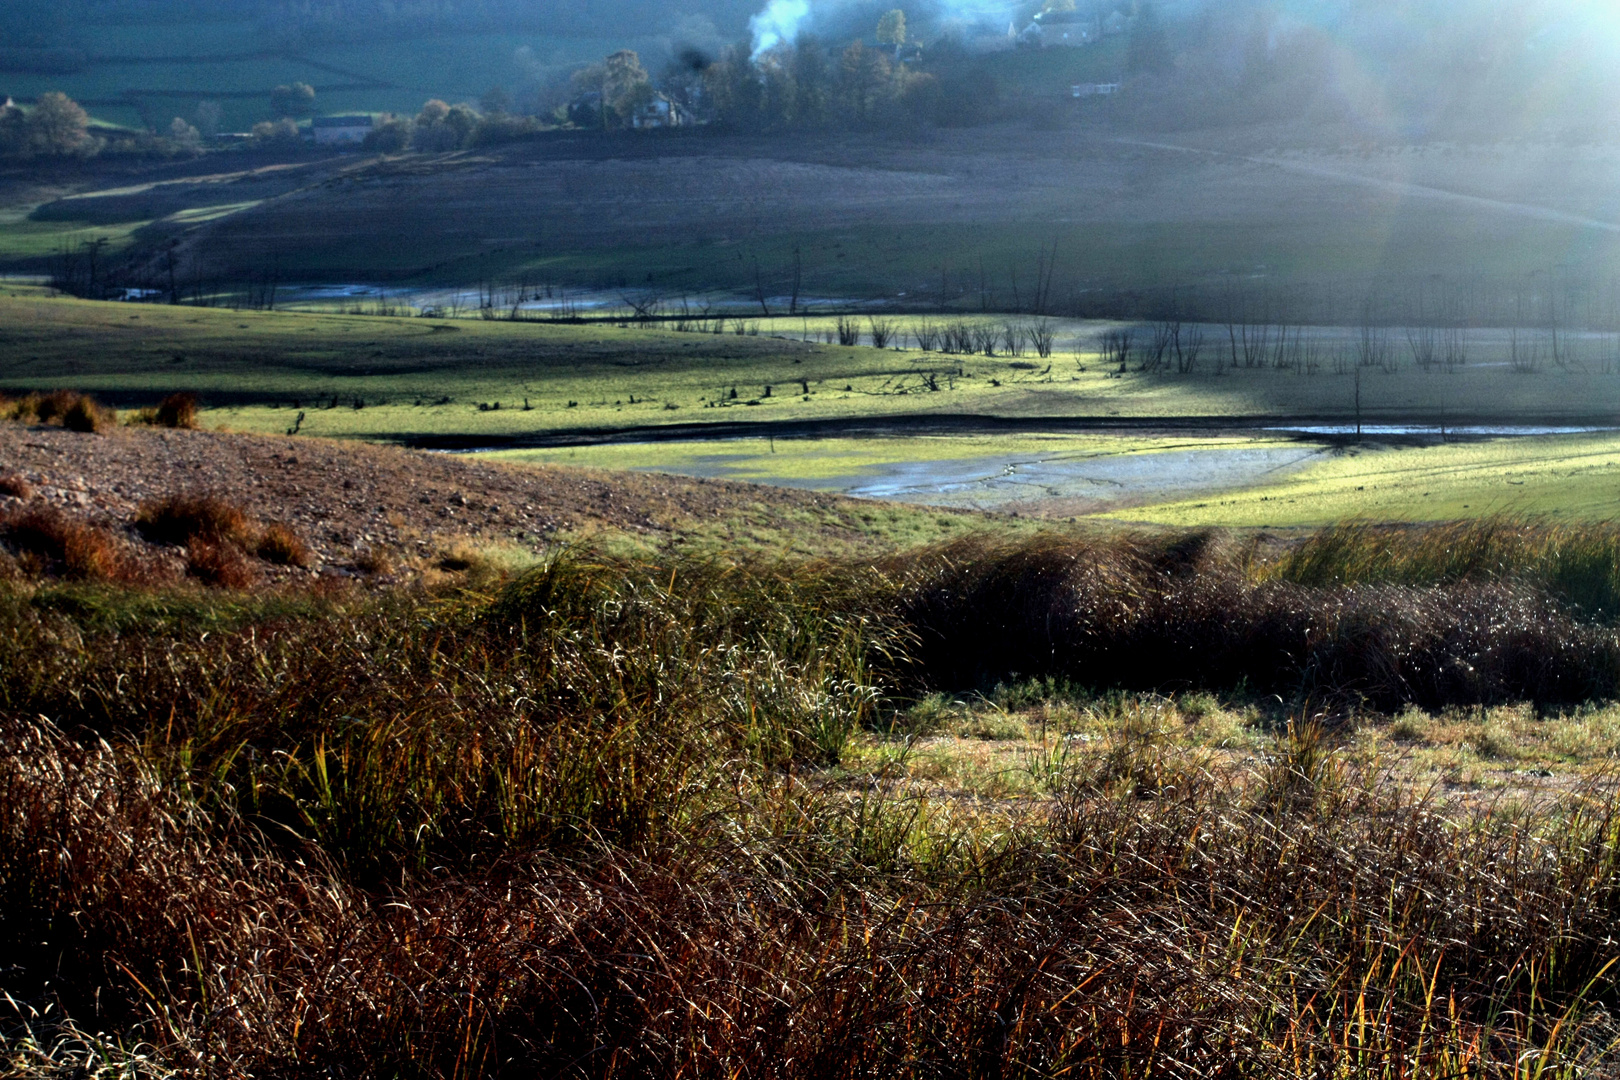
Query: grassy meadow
[
  {"x": 866, "y": 789},
  {"x": 1573, "y": 477},
  {"x": 255, "y": 369}
]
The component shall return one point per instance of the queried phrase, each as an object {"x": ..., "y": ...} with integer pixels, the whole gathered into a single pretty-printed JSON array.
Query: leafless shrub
[
  {"x": 1116, "y": 348},
  {"x": 1042, "y": 335},
  {"x": 985, "y": 338},
  {"x": 1161, "y": 335},
  {"x": 849, "y": 331},
  {"x": 1255, "y": 340},
  {"x": 1014, "y": 336},
  {"x": 1285, "y": 351},
  {"x": 1524, "y": 352},
  {"x": 882, "y": 331},
  {"x": 958, "y": 338},
  {"x": 1424, "y": 344},
  {"x": 1373, "y": 349},
  {"x": 1310, "y": 355},
  {"x": 1186, "y": 343},
  {"x": 1454, "y": 352},
  {"x": 927, "y": 335}
]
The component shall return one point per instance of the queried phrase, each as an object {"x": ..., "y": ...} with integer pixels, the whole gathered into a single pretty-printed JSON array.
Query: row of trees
[
  {"x": 440, "y": 127},
  {"x": 55, "y": 127},
  {"x": 805, "y": 85}
]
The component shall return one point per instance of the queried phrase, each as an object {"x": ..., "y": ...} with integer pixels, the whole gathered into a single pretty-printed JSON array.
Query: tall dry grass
[
  {"x": 1186, "y": 611},
  {"x": 1577, "y": 563},
  {"x": 592, "y": 824}
]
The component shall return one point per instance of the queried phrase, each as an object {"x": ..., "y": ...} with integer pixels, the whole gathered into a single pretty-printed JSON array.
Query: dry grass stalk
[{"x": 580, "y": 828}]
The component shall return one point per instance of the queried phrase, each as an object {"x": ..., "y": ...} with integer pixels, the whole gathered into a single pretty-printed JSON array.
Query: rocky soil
[{"x": 350, "y": 501}]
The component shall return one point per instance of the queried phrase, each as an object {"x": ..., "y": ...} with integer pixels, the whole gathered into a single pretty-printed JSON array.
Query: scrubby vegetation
[{"x": 607, "y": 818}]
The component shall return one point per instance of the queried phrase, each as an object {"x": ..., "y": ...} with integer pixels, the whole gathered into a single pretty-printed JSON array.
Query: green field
[
  {"x": 406, "y": 71},
  {"x": 252, "y": 367},
  {"x": 425, "y": 380},
  {"x": 1574, "y": 477}
]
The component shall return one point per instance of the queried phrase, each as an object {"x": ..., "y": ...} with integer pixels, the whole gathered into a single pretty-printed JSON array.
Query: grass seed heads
[{"x": 579, "y": 829}]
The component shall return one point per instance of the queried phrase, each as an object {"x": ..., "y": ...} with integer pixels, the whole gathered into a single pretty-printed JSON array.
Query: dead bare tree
[
  {"x": 1041, "y": 334},
  {"x": 1186, "y": 343},
  {"x": 1255, "y": 338},
  {"x": 1372, "y": 344},
  {"x": 1454, "y": 353},
  {"x": 1524, "y": 353},
  {"x": 1424, "y": 343},
  {"x": 1013, "y": 338},
  {"x": 1115, "y": 346},
  {"x": 882, "y": 331},
  {"x": 927, "y": 335},
  {"x": 1157, "y": 351},
  {"x": 643, "y": 308}
]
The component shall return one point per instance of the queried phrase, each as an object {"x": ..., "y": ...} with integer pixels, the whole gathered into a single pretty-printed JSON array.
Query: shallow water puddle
[{"x": 994, "y": 481}]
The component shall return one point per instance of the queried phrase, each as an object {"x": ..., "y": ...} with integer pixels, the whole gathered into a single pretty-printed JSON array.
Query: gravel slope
[{"x": 347, "y": 499}]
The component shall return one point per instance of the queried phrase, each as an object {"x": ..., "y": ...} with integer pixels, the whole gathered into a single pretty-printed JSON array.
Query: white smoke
[{"x": 779, "y": 22}]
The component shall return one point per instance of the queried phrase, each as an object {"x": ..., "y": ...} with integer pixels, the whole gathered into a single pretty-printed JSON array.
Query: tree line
[{"x": 57, "y": 127}]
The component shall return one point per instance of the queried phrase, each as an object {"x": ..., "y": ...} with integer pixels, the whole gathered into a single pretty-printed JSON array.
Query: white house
[
  {"x": 340, "y": 130},
  {"x": 1098, "y": 89},
  {"x": 1062, "y": 28},
  {"x": 660, "y": 112}
]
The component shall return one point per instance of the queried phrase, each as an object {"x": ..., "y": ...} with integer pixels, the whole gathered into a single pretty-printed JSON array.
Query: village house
[
  {"x": 1062, "y": 28},
  {"x": 340, "y": 130},
  {"x": 660, "y": 112}
]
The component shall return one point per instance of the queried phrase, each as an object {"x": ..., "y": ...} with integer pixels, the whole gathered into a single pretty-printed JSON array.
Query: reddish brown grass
[
  {"x": 89, "y": 416},
  {"x": 1146, "y": 613},
  {"x": 220, "y": 565},
  {"x": 281, "y": 546},
  {"x": 177, "y": 411},
  {"x": 178, "y": 519},
  {"x": 52, "y": 406},
  {"x": 47, "y": 542}
]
